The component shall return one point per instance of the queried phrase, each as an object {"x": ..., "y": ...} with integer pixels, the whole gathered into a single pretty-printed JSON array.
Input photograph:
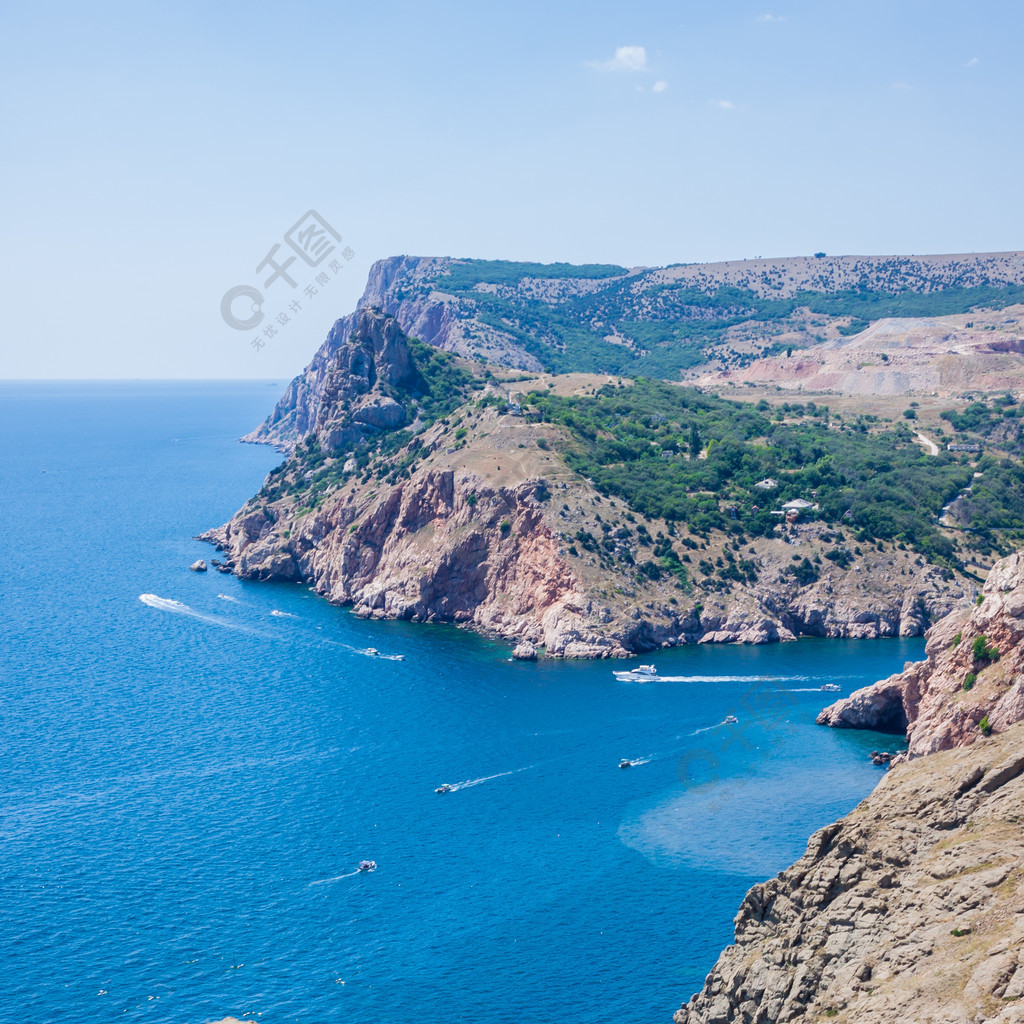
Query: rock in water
[
  {"x": 198, "y": 566},
  {"x": 525, "y": 652}
]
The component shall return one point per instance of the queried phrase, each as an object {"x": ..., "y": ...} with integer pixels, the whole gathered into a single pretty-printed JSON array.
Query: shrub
[
  {"x": 985, "y": 726},
  {"x": 505, "y": 526},
  {"x": 472, "y": 499},
  {"x": 983, "y": 651},
  {"x": 970, "y": 680},
  {"x": 957, "y": 639}
]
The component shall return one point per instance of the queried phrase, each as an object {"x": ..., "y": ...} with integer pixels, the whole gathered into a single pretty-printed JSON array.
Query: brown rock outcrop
[
  {"x": 974, "y": 671},
  {"x": 910, "y": 909},
  {"x": 427, "y": 552}
]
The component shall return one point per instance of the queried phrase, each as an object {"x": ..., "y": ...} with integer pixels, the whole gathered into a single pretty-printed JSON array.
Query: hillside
[
  {"x": 941, "y": 355},
  {"x": 594, "y": 516},
  {"x": 664, "y": 322}
]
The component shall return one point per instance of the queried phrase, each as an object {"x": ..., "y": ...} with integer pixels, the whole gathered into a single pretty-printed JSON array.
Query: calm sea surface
[{"x": 188, "y": 781}]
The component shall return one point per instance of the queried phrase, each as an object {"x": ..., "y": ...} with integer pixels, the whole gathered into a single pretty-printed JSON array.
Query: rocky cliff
[
  {"x": 473, "y": 517},
  {"x": 910, "y": 909},
  {"x": 973, "y": 675},
  {"x": 665, "y": 321}
]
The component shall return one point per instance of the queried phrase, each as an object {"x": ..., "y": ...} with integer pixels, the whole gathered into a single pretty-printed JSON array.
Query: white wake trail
[
  {"x": 167, "y": 604},
  {"x": 337, "y": 878},
  {"x": 487, "y": 778}
]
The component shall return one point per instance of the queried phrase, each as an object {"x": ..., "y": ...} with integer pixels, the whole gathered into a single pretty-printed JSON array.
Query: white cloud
[
  {"x": 659, "y": 87},
  {"x": 971, "y": 62},
  {"x": 723, "y": 104},
  {"x": 902, "y": 86},
  {"x": 627, "y": 58},
  {"x": 770, "y": 17}
]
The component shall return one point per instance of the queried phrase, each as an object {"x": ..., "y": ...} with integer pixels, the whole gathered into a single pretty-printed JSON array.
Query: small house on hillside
[
  {"x": 798, "y": 505},
  {"x": 767, "y": 484}
]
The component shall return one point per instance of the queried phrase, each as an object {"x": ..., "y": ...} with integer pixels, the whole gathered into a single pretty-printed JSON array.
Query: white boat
[
  {"x": 831, "y": 687},
  {"x": 372, "y": 652},
  {"x": 625, "y": 764},
  {"x": 367, "y": 865},
  {"x": 443, "y": 788},
  {"x": 730, "y": 720},
  {"x": 640, "y": 674}
]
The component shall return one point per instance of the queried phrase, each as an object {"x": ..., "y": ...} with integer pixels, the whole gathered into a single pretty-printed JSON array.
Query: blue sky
[{"x": 153, "y": 154}]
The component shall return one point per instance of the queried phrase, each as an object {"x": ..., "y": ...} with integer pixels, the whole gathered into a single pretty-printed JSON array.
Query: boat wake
[
  {"x": 283, "y": 615},
  {"x": 228, "y": 597},
  {"x": 336, "y": 878},
  {"x": 707, "y": 728},
  {"x": 167, "y": 604},
  {"x": 468, "y": 783},
  {"x": 750, "y": 679}
]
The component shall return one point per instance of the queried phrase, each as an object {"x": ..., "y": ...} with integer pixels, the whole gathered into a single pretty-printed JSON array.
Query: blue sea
[{"x": 193, "y": 767}]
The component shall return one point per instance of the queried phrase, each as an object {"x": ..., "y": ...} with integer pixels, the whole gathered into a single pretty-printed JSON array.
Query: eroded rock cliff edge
[
  {"x": 971, "y": 682},
  {"x": 910, "y": 909}
]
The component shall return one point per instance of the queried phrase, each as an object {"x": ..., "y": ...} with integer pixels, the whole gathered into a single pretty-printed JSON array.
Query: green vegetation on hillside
[
  {"x": 673, "y": 326},
  {"x": 678, "y": 454}
]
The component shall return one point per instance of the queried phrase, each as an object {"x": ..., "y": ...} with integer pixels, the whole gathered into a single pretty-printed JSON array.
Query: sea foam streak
[{"x": 283, "y": 615}]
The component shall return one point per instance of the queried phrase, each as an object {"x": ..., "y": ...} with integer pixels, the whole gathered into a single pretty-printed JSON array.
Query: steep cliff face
[
  {"x": 911, "y": 909},
  {"x": 973, "y": 674},
  {"x": 405, "y": 504},
  {"x": 399, "y": 287},
  {"x": 445, "y": 547}
]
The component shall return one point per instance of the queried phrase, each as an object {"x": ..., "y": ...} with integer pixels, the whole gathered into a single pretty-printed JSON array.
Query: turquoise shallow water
[{"x": 188, "y": 781}]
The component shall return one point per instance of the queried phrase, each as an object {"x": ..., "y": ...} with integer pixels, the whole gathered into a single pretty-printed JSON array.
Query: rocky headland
[{"x": 471, "y": 517}]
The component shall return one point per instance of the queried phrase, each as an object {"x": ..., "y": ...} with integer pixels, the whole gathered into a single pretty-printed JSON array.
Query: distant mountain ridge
[{"x": 659, "y": 322}]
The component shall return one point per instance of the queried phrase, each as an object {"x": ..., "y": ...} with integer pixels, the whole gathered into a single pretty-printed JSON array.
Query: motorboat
[
  {"x": 443, "y": 788},
  {"x": 831, "y": 687},
  {"x": 640, "y": 674},
  {"x": 367, "y": 865},
  {"x": 625, "y": 764},
  {"x": 372, "y": 652},
  {"x": 730, "y": 720}
]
